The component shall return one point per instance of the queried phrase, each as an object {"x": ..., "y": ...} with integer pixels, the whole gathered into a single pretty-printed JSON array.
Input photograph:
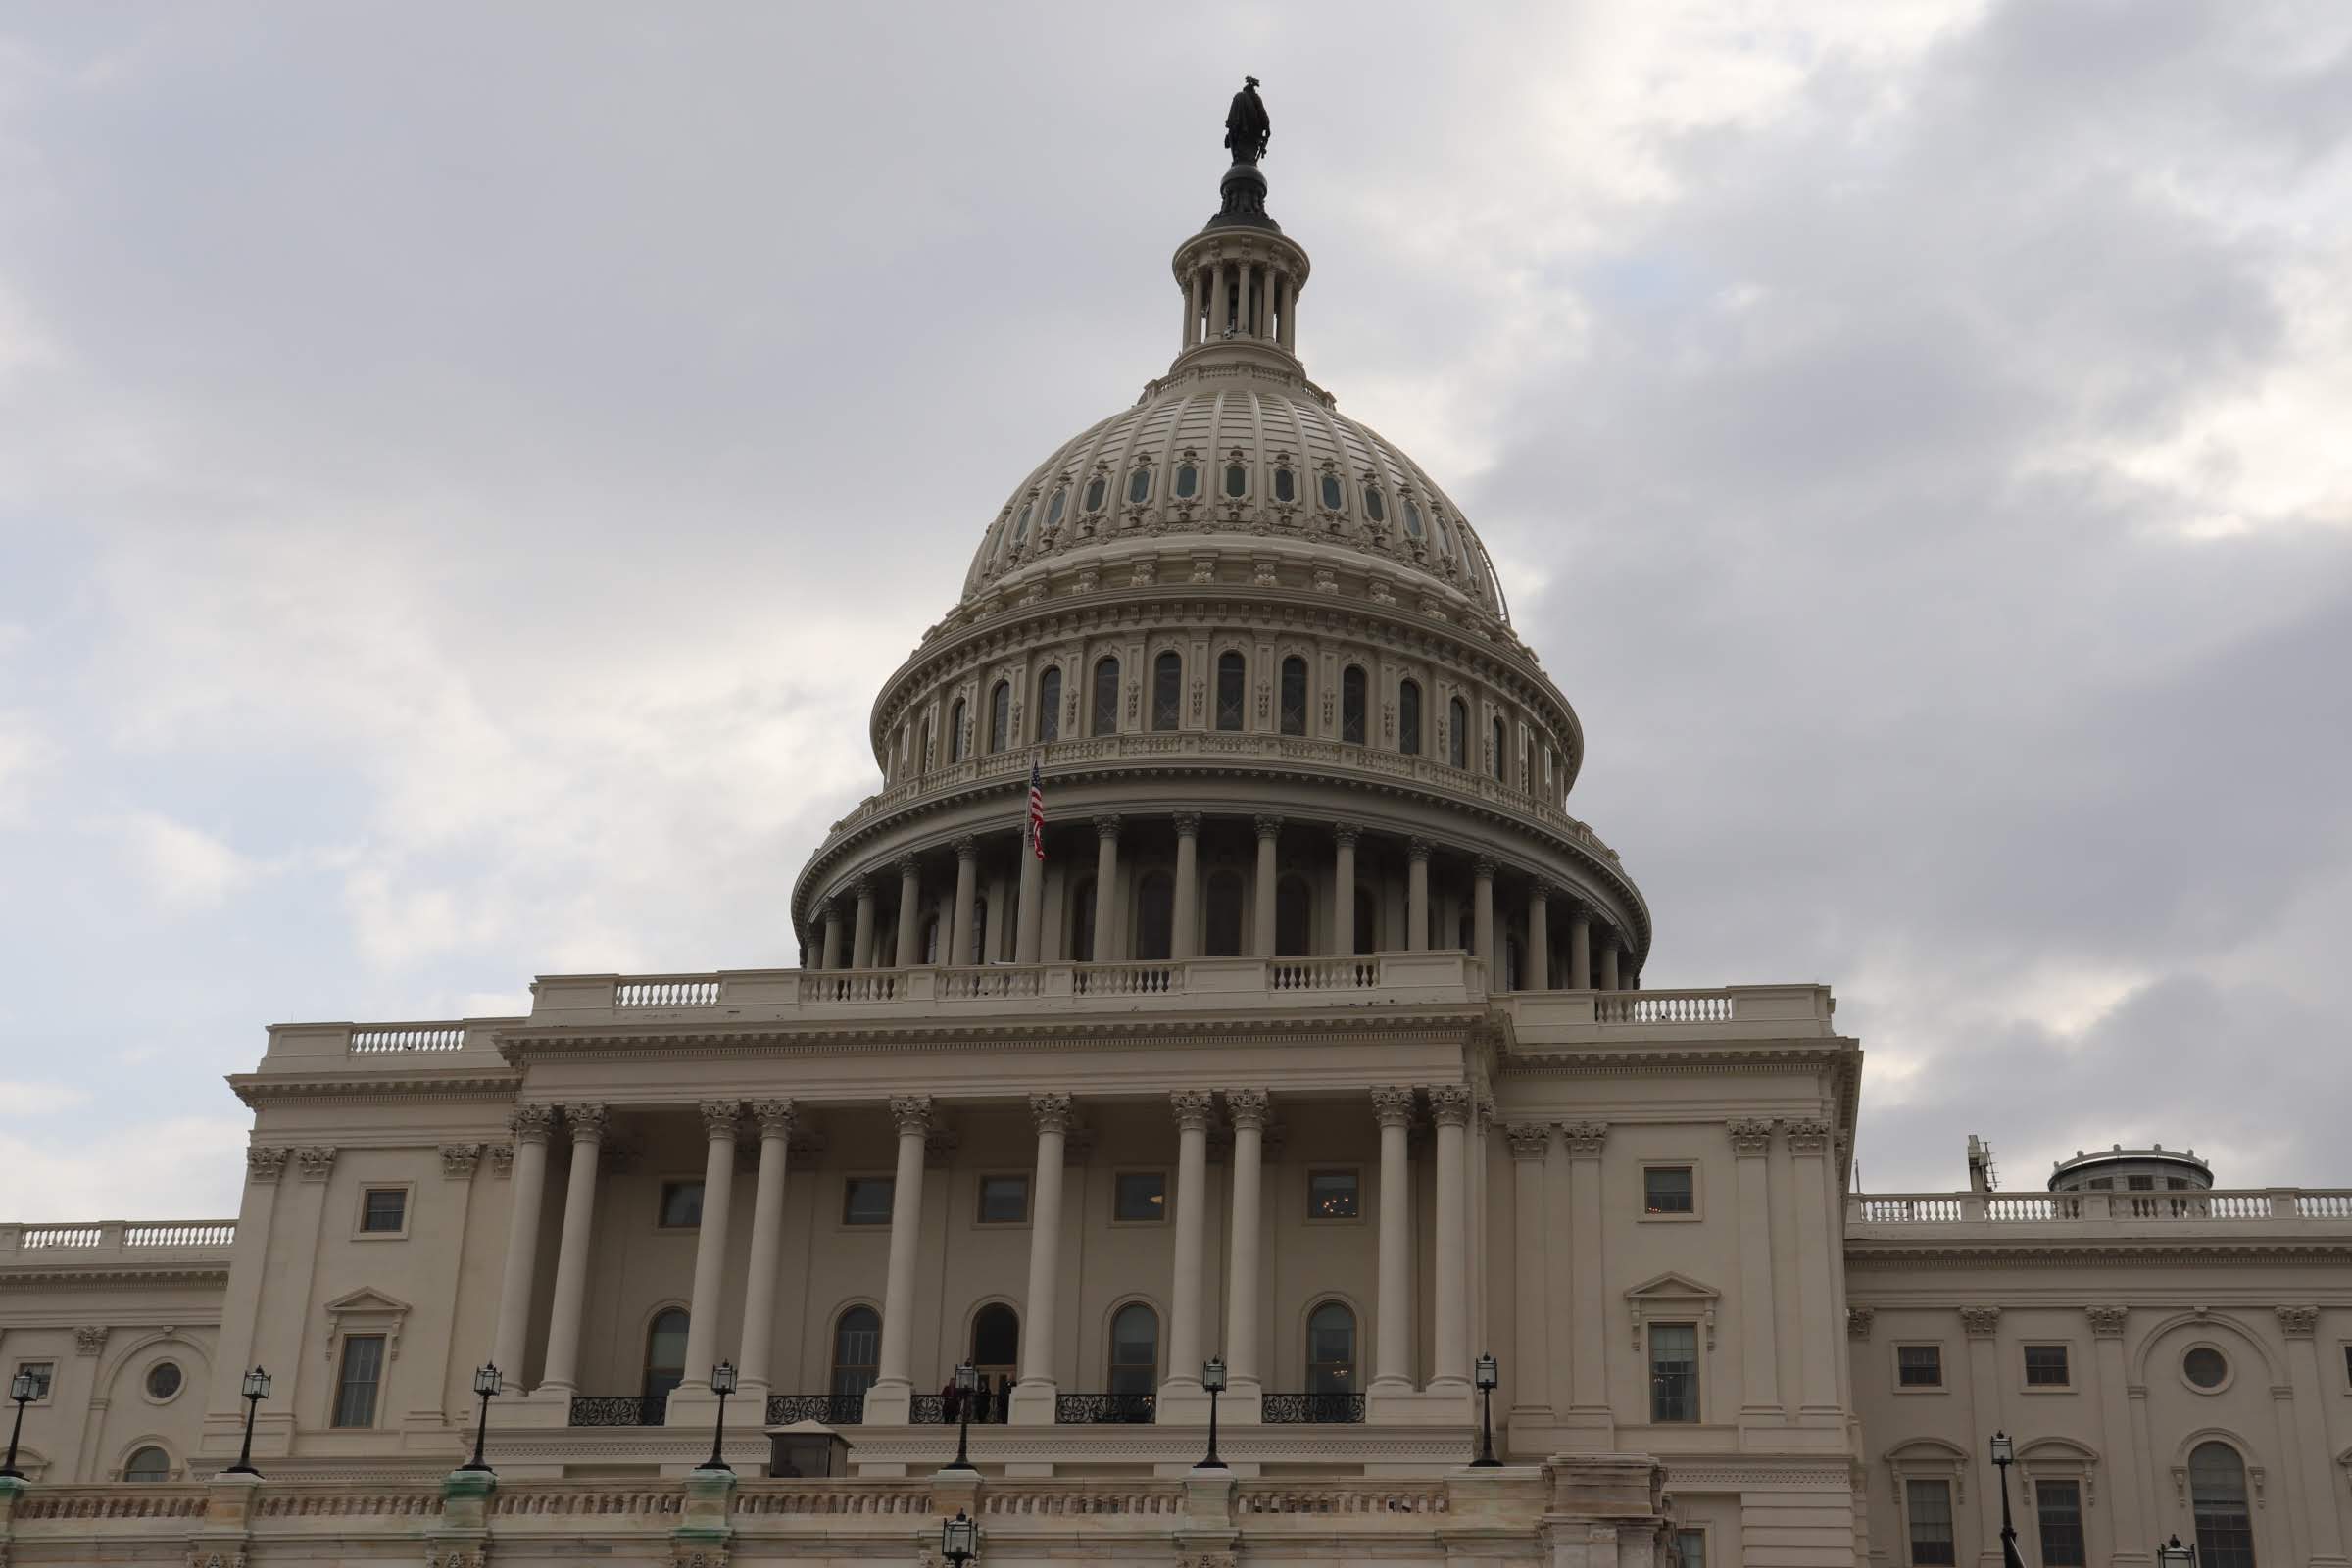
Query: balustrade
[
  {"x": 619, "y": 1409},
  {"x": 827, "y": 1409},
  {"x": 2104, "y": 1207},
  {"x": 409, "y": 1037},
  {"x": 695, "y": 991},
  {"x": 1310, "y": 1409},
  {"x": 1106, "y": 1409}
]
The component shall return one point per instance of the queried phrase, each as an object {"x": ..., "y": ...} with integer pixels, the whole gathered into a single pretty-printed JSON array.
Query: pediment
[
  {"x": 1672, "y": 1295},
  {"x": 366, "y": 1310},
  {"x": 1672, "y": 1287},
  {"x": 366, "y": 1299}
]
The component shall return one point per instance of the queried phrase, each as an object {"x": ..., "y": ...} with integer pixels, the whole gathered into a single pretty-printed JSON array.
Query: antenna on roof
[{"x": 1982, "y": 1176}]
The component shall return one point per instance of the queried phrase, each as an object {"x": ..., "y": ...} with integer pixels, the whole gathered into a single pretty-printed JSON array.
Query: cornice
[
  {"x": 2070, "y": 1251},
  {"x": 361, "y": 1086},
  {"x": 157, "y": 1274}
]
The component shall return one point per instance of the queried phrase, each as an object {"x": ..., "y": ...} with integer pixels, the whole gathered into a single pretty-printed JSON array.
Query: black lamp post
[
  {"x": 257, "y": 1389},
  {"x": 2004, "y": 1452},
  {"x": 1212, "y": 1377},
  {"x": 967, "y": 1380},
  {"x": 20, "y": 1389},
  {"x": 485, "y": 1384},
  {"x": 1490, "y": 1373},
  {"x": 958, "y": 1539},
  {"x": 2173, "y": 1555},
  {"x": 723, "y": 1384}
]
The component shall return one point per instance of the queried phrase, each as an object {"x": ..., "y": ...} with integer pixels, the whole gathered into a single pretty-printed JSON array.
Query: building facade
[{"x": 1306, "y": 1035}]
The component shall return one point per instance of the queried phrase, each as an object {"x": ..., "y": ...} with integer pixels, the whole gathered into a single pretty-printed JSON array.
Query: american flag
[{"x": 1036, "y": 806}]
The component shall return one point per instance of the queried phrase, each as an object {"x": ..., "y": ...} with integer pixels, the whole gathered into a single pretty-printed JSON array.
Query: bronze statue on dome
[{"x": 1246, "y": 123}]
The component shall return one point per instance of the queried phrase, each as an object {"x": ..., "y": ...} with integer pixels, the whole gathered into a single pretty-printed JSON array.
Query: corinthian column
[
  {"x": 1531, "y": 1379},
  {"x": 861, "y": 945},
  {"x": 719, "y": 1117},
  {"x": 767, "y": 1242},
  {"x": 1249, "y": 1109},
  {"x": 1416, "y": 896},
  {"x": 1269, "y": 839},
  {"x": 1393, "y": 1362},
  {"x": 1342, "y": 903},
  {"x": 887, "y": 1402},
  {"x": 910, "y": 911},
  {"x": 1034, "y": 1396},
  {"x": 1191, "y": 1108},
  {"x": 1482, "y": 917},
  {"x": 1106, "y": 887},
  {"x": 1538, "y": 938},
  {"x": 1449, "y": 1103},
  {"x": 510, "y": 1339},
  {"x": 1185, "y": 942},
  {"x": 967, "y": 883},
  {"x": 571, "y": 1255}
]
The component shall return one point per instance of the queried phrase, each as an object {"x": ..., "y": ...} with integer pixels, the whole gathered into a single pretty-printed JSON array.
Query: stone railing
[
  {"x": 2002, "y": 1211},
  {"x": 463, "y": 1044},
  {"x": 1544, "y": 1017},
  {"x": 409, "y": 1037},
  {"x": 113, "y": 1239}
]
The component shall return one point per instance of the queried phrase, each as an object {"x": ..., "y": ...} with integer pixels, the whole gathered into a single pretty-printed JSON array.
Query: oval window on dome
[
  {"x": 1412, "y": 517},
  {"x": 1096, "y": 491},
  {"x": 1437, "y": 521},
  {"x": 1021, "y": 526},
  {"x": 1188, "y": 482},
  {"x": 1236, "y": 480},
  {"x": 1376, "y": 506},
  {"x": 1331, "y": 491},
  {"x": 1054, "y": 507},
  {"x": 1285, "y": 485},
  {"x": 1139, "y": 487}
]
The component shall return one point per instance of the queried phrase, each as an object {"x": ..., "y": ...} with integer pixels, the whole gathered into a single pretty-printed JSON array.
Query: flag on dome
[{"x": 1036, "y": 806}]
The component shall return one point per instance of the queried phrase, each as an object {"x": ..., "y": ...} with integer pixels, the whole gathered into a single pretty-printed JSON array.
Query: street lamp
[
  {"x": 20, "y": 1389},
  {"x": 2173, "y": 1555},
  {"x": 1490, "y": 1373},
  {"x": 967, "y": 1380},
  {"x": 1212, "y": 1377},
  {"x": 958, "y": 1539},
  {"x": 723, "y": 1384},
  {"x": 257, "y": 1389},
  {"x": 2004, "y": 1453},
  {"x": 485, "y": 1384}
]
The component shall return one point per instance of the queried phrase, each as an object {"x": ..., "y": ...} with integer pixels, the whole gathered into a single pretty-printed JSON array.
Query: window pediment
[
  {"x": 1673, "y": 1299},
  {"x": 366, "y": 1310}
]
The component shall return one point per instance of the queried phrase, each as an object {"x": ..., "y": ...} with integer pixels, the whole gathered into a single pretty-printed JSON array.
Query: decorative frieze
[
  {"x": 318, "y": 1162},
  {"x": 1858, "y": 1320},
  {"x": 1585, "y": 1138},
  {"x": 1750, "y": 1134},
  {"x": 265, "y": 1164},
  {"x": 1979, "y": 1322},
  {"x": 459, "y": 1161},
  {"x": 2106, "y": 1322}
]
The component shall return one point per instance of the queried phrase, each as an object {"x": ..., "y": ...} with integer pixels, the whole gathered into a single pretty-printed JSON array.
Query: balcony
[
  {"x": 826, "y": 1409},
  {"x": 618, "y": 1409},
  {"x": 1913, "y": 1219},
  {"x": 195, "y": 1248},
  {"x": 1104, "y": 1409},
  {"x": 1311, "y": 1409}
]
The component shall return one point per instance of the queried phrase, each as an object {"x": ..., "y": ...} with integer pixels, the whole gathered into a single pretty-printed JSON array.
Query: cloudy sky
[{"x": 461, "y": 481}]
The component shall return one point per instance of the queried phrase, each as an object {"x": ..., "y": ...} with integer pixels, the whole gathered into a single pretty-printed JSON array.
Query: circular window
[
  {"x": 162, "y": 1380},
  {"x": 2205, "y": 1368}
]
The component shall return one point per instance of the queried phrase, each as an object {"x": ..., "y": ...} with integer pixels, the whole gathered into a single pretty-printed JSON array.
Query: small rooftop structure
[{"x": 2121, "y": 1169}]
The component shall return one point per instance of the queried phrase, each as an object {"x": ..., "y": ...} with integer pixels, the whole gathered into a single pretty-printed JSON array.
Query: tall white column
[
  {"x": 887, "y": 1402},
  {"x": 767, "y": 1244},
  {"x": 1538, "y": 938},
  {"x": 1290, "y": 310},
  {"x": 510, "y": 1340},
  {"x": 829, "y": 955},
  {"x": 562, "y": 1373},
  {"x": 1034, "y": 1396},
  {"x": 1248, "y": 1107},
  {"x": 1217, "y": 302},
  {"x": 1106, "y": 889},
  {"x": 1192, "y": 311},
  {"x": 1191, "y": 1108},
  {"x": 1449, "y": 1104},
  {"x": 967, "y": 885},
  {"x": 1343, "y": 902},
  {"x": 1589, "y": 1387},
  {"x": 1392, "y": 1360},
  {"x": 1580, "y": 950},
  {"x": 1245, "y": 273},
  {"x": 911, "y": 912},
  {"x": 1759, "y": 1340},
  {"x": 1269, "y": 840},
  {"x": 719, "y": 1117},
  {"x": 1809, "y": 1148},
  {"x": 1482, "y": 917},
  {"x": 1530, "y": 1377},
  {"x": 1416, "y": 894},
  {"x": 862, "y": 947},
  {"x": 1185, "y": 942},
  {"x": 1030, "y": 913},
  {"x": 2307, "y": 1420},
  {"x": 1608, "y": 962}
]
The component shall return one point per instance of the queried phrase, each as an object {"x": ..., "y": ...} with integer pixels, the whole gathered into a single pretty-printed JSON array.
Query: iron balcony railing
[
  {"x": 1310, "y": 1409},
  {"x": 1104, "y": 1409},
  {"x": 828, "y": 1409},
  {"x": 618, "y": 1409},
  {"x": 928, "y": 1410}
]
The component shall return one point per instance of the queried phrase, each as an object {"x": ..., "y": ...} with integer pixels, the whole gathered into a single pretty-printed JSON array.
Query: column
[
  {"x": 1608, "y": 961},
  {"x": 1241, "y": 311},
  {"x": 510, "y": 1337},
  {"x": 968, "y": 887},
  {"x": 911, "y": 912},
  {"x": 1393, "y": 1359},
  {"x": 264, "y": 1168},
  {"x": 1759, "y": 1340},
  {"x": 1030, "y": 914},
  {"x": 1192, "y": 311},
  {"x": 2311, "y": 1389},
  {"x": 1216, "y": 301},
  {"x": 1538, "y": 938},
  {"x": 710, "y": 1242},
  {"x": 2123, "y": 1471},
  {"x": 1587, "y": 1384},
  {"x": 861, "y": 948},
  {"x": 1531, "y": 1372},
  {"x": 831, "y": 954},
  {"x": 1981, "y": 1325},
  {"x": 1580, "y": 950},
  {"x": 1184, "y": 941},
  {"x": 1269, "y": 839},
  {"x": 1810, "y": 1144},
  {"x": 561, "y": 1372},
  {"x": 1275, "y": 304},
  {"x": 1289, "y": 308},
  {"x": 767, "y": 1243},
  {"x": 1035, "y": 1394},
  {"x": 1449, "y": 1104},
  {"x": 1416, "y": 894},
  {"x": 1342, "y": 913},
  {"x": 1107, "y": 887},
  {"x": 887, "y": 1402},
  {"x": 1482, "y": 917},
  {"x": 1191, "y": 1108},
  {"x": 1249, "y": 1108}
]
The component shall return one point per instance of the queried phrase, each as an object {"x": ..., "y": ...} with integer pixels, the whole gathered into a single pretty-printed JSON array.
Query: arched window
[
  {"x": 2217, "y": 1487},
  {"x": 1049, "y": 705},
  {"x": 922, "y": 758},
  {"x": 150, "y": 1463},
  {"x": 1237, "y": 480},
  {"x": 1457, "y": 733},
  {"x": 1437, "y": 521},
  {"x": 1293, "y": 695},
  {"x": 1332, "y": 496},
  {"x": 1107, "y": 697},
  {"x": 931, "y": 939},
  {"x": 1168, "y": 690},
  {"x": 1098, "y": 489},
  {"x": 996, "y": 1343},
  {"x": 1376, "y": 505},
  {"x": 1154, "y": 915},
  {"x": 1188, "y": 481},
  {"x": 1224, "y": 908},
  {"x": 1502, "y": 762},
  {"x": 1082, "y": 922},
  {"x": 857, "y": 1350},
  {"x": 1510, "y": 963},
  {"x": 1286, "y": 484},
  {"x": 979, "y": 952},
  {"x": 664, "y": 1351},
  {"x": 1134, "y": 1350},
  {"x": 1331, "y": 1349},
  {"x": 1367, "y": 920},
  {"x": 1408, "y": 717},
  {"x": 956, "y": 732},
  {"x": 1351, "y": 705},
  {"x": 1294, "y": 918},
  {"x": 999, "y": 716},
  {"x": 1412, "y": 517},
  {"x": 1233, "y": 682},
  {"x": 1020, "y": 525},
  {"x": 1139, "y": 487},
  {"x": 1053, "y": 508}
]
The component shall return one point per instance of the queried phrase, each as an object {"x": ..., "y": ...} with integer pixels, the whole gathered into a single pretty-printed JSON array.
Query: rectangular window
[
  {"x": 1674, "y": 1372},
  {"x": 2045, "y": 1367},
  {"x": 1690, "y": 1548},
  {"x": 43, "y": 1374},
  {"x": 1918, "y": 1366},
  {"x": 2139, "y": 1184},
  {"x": 1139, "y": 1197},
  {"x": 355, "y": 1385},
  {"x": 1004, "y": 1200},
  {"x": 866, "y": 1199},
  {"x": 1669, "y": 1190},
  {"x": 681, "y": 1205},
  {"x": 2100, "y": 1184},
  {"x": 1332, "y": 1194},
  {"x": 1928, "y": 1507},
  {"x": 384, "y": 1209},
  {"x": 2058, "y": 1504}
]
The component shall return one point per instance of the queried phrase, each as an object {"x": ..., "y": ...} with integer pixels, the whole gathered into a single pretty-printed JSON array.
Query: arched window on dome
[
  {"x": 1437, "y": 521},
  {"x": 1412, "y": 517},
  {"x": 857, "y": 1350},
  {"x": 922, "y": 753},
  {"x": 1055, "y": 508},
  {"x": 1082, "y": 921},
  {"x": 1020, "y": 525},
  {"x": 1223, "y": 905},
  {"x": 1457, "y": 733},
  {"x": 1331, "y": 1349},
  {"x": 1367, "y": 920},
  {"x": 1107, "y": 697},
  {"x": 1502, "y": 759},
  {"x": 1294, "y": 918},
  {"x": 2217, "y": 1487},
  {"x": 1155, "y": 917},
  {"x": 1286, "y": 484},
  {"x": 1139, "y": 487},
  {"x": 1168, "y": 690},
  {"x": 1333, "y": 498},
  {"x": 1237, "y": 480},
  {"x": 1134, "y": 1349},
  {"x": 1098, "y": 491},
  {"x": 1408, "y": 717},
  {"x": 1293, "y": 695},
  {"x": 1188, "y": 481},
  {"x": 956, "y": 732},
  {"x": 1376, "y": 505},
  {"x": 1352, "y": 702},
  {"x": 1232, "y": 688},
  {"x": 1000, "y": 715},
  {"x": 1049, "y": 705}
]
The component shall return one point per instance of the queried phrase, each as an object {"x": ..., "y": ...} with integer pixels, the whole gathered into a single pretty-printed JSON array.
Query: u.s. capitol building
[{"x": 1313, "y": 1043}]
